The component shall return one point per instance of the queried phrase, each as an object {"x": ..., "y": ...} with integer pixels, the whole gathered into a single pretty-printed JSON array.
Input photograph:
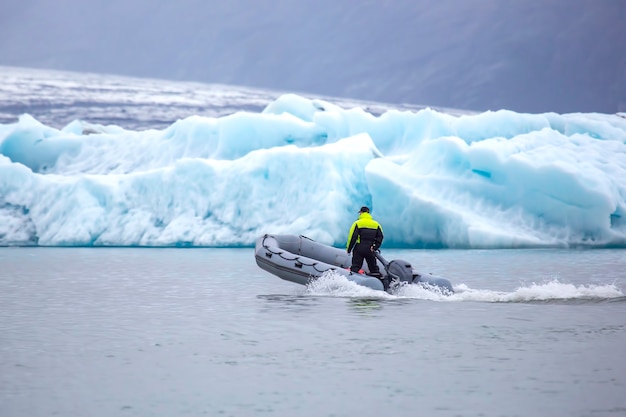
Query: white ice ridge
[{"x": 492, "y": 180}]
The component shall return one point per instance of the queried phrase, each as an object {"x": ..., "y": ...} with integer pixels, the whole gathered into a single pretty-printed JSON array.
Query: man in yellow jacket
[{"x": 365, "y": 237}]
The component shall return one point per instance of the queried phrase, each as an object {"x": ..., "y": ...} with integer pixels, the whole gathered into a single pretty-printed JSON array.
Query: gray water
[{"x": 190, "y": 332}]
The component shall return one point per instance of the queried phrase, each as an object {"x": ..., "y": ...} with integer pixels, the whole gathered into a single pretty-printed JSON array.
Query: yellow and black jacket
[{"x": 365, "y": 230}]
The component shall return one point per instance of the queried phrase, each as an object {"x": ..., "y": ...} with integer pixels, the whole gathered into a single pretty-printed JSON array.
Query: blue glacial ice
[{"x": 305, "y": 166}]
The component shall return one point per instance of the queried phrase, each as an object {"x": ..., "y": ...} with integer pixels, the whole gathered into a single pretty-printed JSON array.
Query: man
[{"x": 365, "y": 237}]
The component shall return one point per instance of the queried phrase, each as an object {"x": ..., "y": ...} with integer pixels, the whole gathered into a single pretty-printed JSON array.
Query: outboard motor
[
  {"x": 397, "y": 271},
  {"x": 400, "y": 270}
]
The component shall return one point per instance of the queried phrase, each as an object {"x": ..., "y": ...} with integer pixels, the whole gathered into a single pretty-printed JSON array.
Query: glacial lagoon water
[{"x": 106, "y": 332}]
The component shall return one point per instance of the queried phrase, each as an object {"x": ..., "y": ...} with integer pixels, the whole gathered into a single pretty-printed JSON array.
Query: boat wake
[{"x": 331, "y": 284}]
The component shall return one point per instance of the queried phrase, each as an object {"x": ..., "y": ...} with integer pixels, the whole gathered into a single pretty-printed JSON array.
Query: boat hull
[{"x": 299, "y": 259}]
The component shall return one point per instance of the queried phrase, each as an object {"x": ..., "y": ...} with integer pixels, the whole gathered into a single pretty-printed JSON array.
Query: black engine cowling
[{"x": 400, "y": 270}]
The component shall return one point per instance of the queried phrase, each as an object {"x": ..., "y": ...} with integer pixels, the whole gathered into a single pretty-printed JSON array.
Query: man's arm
[
  {"x": 352, "y": 236},
  {"x": 379, "y": 238}
]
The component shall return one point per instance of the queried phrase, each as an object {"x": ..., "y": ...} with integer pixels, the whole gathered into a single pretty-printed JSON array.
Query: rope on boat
[{"x": 296, "y": 258}]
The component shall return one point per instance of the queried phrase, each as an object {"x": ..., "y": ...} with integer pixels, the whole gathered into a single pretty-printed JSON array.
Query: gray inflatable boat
[{"x": 300, "y": 259}]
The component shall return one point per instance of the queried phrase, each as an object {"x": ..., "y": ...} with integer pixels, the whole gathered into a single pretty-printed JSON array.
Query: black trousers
[{"x": 363, "y": 251}]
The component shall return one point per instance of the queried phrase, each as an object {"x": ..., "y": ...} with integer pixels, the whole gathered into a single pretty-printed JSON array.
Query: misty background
[{"x": 523, "y": 55}]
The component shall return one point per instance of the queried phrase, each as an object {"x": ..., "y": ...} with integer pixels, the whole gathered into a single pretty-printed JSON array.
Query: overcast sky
[{"x": 522, "y": 55}]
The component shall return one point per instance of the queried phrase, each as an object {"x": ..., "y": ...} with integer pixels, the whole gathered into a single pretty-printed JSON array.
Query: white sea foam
[{"x": 336, "y": 285}]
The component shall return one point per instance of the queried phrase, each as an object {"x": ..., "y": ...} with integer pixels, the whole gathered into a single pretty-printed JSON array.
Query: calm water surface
[{"x": 176, "y": 332}]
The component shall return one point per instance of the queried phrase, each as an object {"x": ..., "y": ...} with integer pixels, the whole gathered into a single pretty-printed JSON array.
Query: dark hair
[{"x": 364, "y": 209}]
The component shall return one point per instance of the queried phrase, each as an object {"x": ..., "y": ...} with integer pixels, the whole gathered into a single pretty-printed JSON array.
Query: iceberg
[{"x": 497, "y": 179}]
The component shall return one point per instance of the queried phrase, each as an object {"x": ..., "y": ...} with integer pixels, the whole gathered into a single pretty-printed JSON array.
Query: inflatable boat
[{"x": 300, "y": 259}]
